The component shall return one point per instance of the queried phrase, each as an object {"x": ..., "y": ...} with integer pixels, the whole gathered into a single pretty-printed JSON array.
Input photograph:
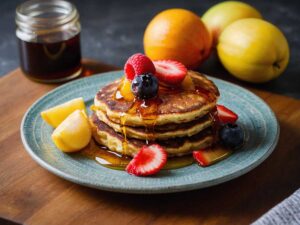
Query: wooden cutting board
[{"x": 31, "y": 195}]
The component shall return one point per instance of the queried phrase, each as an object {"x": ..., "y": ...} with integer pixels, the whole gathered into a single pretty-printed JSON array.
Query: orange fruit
[
  {"x": 125, "y": 90},
  {"x": 177, "y": 34}
]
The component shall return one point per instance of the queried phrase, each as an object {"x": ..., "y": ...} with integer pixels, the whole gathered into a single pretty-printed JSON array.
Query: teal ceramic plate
[{"x": 257, "y": 119}]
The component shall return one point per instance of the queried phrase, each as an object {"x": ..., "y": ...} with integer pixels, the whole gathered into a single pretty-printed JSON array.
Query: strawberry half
[
  {"x": 138, "y": 64},
  {"x": 170, "y": 71},
  {"x": 225, "y": 115},
  {"x": 206, "y": 157},
  {"x": 148, "y": 161}
]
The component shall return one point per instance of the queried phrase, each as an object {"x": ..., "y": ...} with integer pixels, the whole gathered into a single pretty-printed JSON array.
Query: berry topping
[
  {"x": 148, "y": 161},
  {"x": 225, "y": 115},
  {"x": 170, "y": 71},
  {"x": 138, "y": 64},
  {"x": 206, "y": 157},
  {"x": 231, "y": 135},
  {"x": 145, "y": 86}
]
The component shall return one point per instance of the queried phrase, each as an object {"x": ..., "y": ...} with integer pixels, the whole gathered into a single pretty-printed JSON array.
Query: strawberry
[
  {"x": 225, "y": 115},
  {"x": 149, "y": 160},
  {"x": 206, "y": 157},
  {"x": 170, "y": 71},
  {"x": 138, "y": 64}
]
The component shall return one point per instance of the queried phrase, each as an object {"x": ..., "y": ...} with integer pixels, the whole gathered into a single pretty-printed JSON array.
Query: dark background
[{"x": 112, "y": 30}]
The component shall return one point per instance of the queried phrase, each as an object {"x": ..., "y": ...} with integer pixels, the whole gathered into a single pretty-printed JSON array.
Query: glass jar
[{"x": 48, "y": 34}]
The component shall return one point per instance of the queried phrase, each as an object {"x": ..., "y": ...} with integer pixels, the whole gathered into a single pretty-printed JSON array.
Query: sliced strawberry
[
  {"x": 138, "y": 64},
  {"x": 225, "y": 115},
  {"x": 170, "y": 71},
  {"x": 149, "y": 160},
  {"x": 207, "y": 157}
]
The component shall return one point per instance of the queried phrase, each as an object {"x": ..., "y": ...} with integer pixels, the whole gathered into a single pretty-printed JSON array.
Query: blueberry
[
  {"x": 231, "y": 135},
  {"x": 145, "y": 86}
]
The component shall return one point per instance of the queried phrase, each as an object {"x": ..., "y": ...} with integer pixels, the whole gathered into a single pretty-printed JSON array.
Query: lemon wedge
[
  {"x": 74, "y": 133},
  {"x": 55, "y": 115}
]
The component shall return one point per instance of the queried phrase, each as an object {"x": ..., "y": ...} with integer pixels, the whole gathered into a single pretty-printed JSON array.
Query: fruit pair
[
  {"x": 168, "y": 71},
  {"x": 74, "y": 133},
  {"x": 250, "y": 48},
  {"x": 139, "y": 78},
  {"x": 145, "y": 74},
  {"x": 230, "y": 134},
  {"x": 72, "y": 129}
]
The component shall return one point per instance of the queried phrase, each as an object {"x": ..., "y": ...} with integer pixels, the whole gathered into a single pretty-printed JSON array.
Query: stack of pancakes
[{"x": 182, "y": 123}]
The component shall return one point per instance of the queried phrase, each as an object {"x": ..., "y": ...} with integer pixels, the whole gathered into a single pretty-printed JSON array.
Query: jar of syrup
[{"x": 48, "y": 34}]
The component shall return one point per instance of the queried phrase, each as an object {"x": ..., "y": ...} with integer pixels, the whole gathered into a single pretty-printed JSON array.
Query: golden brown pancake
[
  {"x": 161, "y": 132},
  {"x": 108, "y": 137},
  {"x": 175, "y": 107}
]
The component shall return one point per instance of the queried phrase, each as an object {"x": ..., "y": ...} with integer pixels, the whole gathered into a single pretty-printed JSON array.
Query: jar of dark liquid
[{"x": 48, "y": 35}]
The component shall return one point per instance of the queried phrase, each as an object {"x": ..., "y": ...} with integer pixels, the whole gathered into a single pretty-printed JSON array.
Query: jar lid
[{"x": 39, "y": 14}]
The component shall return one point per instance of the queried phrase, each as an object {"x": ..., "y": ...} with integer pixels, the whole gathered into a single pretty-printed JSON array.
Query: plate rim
[{"x": 178, "y": 188}]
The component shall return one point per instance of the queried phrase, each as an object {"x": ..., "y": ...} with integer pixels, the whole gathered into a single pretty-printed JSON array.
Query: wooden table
[{"x": 31, "y": 195}]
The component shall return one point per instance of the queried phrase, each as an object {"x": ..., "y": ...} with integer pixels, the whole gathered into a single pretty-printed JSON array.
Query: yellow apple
[
  {"x": 253, "y": 50},
  {"x": 221, "y": 15}
]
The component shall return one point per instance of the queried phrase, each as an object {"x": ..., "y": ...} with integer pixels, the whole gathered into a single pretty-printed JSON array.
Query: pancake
[
  {"x": 106, "y": 136},
  {"x": 175, "y": 107},
  {"x": 161, "y": 132}
]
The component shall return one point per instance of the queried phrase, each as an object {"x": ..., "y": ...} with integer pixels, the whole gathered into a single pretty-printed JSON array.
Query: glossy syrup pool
[{"x": 113, "y": 160}]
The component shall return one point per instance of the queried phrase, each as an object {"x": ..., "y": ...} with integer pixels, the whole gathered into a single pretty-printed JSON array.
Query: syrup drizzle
[
  {"x": 206, "y": 94},
  {"x": 123, "y": 129},
  {"x": 146, "y": 109},
  {"x": 216, "y": 124}
]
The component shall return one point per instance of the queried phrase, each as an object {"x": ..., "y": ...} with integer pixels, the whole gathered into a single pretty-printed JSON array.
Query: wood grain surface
[{"x": 31, "y": 195}]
